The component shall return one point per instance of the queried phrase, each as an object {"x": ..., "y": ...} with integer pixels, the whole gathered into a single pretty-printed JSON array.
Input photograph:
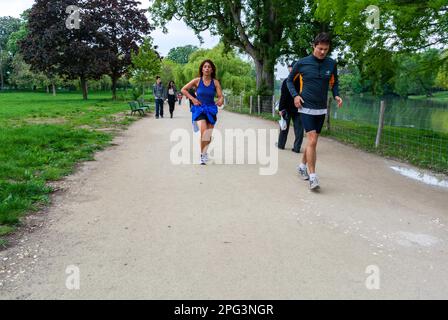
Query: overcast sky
[{"x": 178, "y": 33}]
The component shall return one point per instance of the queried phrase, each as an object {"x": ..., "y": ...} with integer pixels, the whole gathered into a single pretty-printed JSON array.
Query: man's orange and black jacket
[{"x": 311, "y": 78}]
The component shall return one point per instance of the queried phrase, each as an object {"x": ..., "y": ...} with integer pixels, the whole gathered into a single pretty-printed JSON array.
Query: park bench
[
  {"x": 135, "y": 108},
  {"x": 142, "y": 104}
]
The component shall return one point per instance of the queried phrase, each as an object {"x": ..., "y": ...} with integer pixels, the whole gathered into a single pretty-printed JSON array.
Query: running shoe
[
  {"x": 303, "y": 173},
  {"x": 203, "y": 159},
  {"x": 314, "y": 183}
]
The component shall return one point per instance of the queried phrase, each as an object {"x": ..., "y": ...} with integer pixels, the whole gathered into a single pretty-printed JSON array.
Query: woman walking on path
[
  {"x": 171, "y": 95},
  {"x": 204, "y": 109}
]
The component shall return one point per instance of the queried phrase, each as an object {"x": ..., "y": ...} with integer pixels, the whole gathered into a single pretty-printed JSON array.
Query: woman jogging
[
  {"x": 171, "y": 96},
  {"x": 204, "y": 110}
]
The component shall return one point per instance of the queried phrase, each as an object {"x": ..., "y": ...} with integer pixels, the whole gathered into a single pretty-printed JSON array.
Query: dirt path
[{"x": 138, "y": 226}]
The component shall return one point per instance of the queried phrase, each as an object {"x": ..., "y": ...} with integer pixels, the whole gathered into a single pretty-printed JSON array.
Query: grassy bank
[
  {"x": 437, "y": 96},
  {"x": 42, "y": 138},
  {"x": 423, "y": 148}
]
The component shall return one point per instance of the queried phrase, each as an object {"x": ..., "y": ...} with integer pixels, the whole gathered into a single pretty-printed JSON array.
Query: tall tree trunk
[
  {"x": 48, "y": 89},
  {"x": 54, "y": 89},
  {"x": 84, "y": 88},
  {"x": 114, "y": 87},
  {"x": 265, "y": 76}
]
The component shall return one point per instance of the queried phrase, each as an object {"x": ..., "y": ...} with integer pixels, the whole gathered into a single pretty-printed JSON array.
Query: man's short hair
[
  {"x": 322, "y": 37},
  {"x": 157, "y": 77}
]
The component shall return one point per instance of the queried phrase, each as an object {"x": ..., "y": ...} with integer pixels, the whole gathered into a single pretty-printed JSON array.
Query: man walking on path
[
  {"x": 289, "y": 112},
  {"x": 308, "y": 84},
  {"x": 159, "y": 94}
]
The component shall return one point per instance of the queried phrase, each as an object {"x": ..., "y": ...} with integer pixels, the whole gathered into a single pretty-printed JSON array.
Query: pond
[{"x": 419, "y": 114}]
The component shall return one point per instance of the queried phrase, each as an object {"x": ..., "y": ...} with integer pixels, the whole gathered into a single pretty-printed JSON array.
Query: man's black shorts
[{"x": 312, "y": 122}]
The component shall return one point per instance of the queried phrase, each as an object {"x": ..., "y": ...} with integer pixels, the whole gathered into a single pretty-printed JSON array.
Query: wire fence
[
  {"x": 261, "y": 105},
  {"x": 407, "y": 130}
]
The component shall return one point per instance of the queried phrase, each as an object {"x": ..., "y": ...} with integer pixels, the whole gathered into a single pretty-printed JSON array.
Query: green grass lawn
[
  {"x": 423, "y": 148},
  {"x": 42, "y": 138}
]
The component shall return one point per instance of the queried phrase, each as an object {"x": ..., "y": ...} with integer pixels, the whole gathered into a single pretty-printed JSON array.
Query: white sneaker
[
  {"x": 203, "y": 159},
  {"x": 206, "y": 157},
  {"x": 303, "y": 173},
  {"x": 314, "y": 183}
]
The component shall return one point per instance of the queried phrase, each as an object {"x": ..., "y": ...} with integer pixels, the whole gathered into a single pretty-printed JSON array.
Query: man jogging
[{"x": 308, "y": 83}]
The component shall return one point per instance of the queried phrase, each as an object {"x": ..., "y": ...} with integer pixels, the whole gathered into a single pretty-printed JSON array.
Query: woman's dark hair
[
  {"x": 211, "y": 64},
  {"x": 171, "y": 82},
  {"x": 322, "y": 37}
]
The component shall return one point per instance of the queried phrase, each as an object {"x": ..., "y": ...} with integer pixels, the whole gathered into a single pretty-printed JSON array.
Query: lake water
[{"x": 420, "y": 114}]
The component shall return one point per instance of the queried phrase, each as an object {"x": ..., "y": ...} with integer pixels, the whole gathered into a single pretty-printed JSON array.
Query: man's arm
[{"x": 298, "y": 101}]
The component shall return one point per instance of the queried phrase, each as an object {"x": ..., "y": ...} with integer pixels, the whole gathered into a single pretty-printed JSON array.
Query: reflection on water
[{"x": 420, "y": 114}]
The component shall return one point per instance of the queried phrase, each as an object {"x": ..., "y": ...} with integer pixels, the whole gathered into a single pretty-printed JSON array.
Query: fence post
[
  {"x": 241, "y": 102},
  {"x": 233, "y": 103},
  {"x": 259, "y": 105},
  {"x": 273, "y": 106},
  {"x": 328, "y": 113},
  {"x": 250, "y": 108},
  {"x": 380, "y": 124}
]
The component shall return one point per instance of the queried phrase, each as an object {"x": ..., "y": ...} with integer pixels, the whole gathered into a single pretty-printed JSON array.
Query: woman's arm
[
  {"x": 220, "y": 101},
  {"x": 189, "y": 85}
]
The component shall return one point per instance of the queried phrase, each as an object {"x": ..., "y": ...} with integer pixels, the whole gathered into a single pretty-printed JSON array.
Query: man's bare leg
[{"x": 310, "y": 152}]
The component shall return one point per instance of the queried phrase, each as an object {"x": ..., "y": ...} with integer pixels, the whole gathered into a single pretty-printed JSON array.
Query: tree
[
  {"x": 122, "y": 26},
  {"x": 350, "y": 80},
  {"x": 23, "y": 78},
  {"x": 146, "y": 64},
  {"x": 417, "y": 73},
  {"x": 263, "y": 29},
  {"x": 404, "y": 27},
  {"x": 234, "y": 74},
  {"x": 442, "y": 78},
  {"x": 180, "y": 54},
  {"x": 8, "y": 25},
  {"x": 52, "y": 48},
  {"x": 167, "y": 72}
]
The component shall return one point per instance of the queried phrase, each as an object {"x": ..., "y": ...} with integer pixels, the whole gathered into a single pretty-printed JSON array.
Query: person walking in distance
[
  {"x": 159, "y": 94},
  {"x": 308, "y": 84},
  {"x": 171, "y": 96},
  {"x": 204, "y": 109},
  {"x": 179, "y": 97},
  {"x": 289, "y": 112}
]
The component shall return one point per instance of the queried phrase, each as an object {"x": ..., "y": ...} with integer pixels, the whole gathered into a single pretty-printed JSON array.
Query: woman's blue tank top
[{"x": 206, "y": 94}]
